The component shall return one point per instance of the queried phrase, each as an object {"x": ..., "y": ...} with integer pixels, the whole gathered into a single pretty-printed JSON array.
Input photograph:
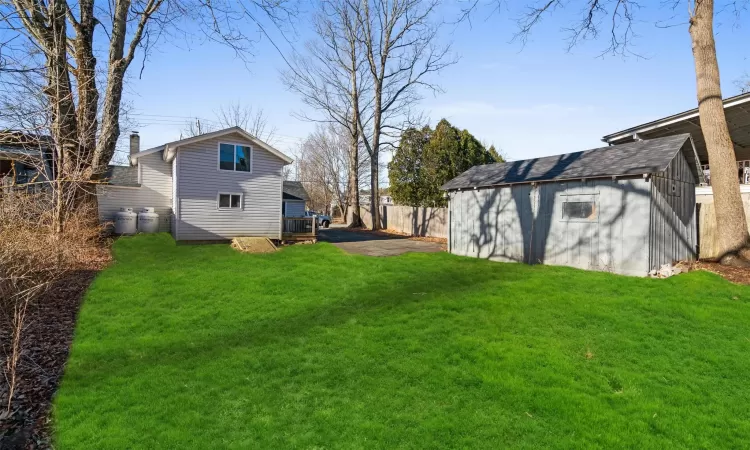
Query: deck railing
[
  {"x": 743, "y": 172},
  {"x": 302, "y": 226}
]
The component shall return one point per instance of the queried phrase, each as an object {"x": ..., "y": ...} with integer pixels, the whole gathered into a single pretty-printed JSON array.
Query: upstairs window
[{"x": 237, "y": 158}]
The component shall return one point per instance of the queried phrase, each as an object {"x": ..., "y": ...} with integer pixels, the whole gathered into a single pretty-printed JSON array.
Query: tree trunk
[
  {"x": 354, "y": 219},
  {"x": 62, "y": 108},
  {"x": 118, "y": 64},
  {"x": 377, "y": 122},
  {"x": 730, "y": 215},
  {"x": 88, "y": 92},
  {"x": 374, "y": 190}
]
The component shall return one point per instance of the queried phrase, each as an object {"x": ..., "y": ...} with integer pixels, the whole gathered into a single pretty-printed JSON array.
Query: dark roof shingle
[
  {"x": 122, "y": 176},
  {"x": 295, "y": 189},
  {"x": 633, "y": 158}
]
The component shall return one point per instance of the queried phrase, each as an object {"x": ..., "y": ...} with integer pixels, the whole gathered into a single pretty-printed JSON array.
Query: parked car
[{"x": 323, "y": 220}]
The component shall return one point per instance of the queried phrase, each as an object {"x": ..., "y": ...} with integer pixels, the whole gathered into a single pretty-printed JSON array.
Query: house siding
[
  {"x": 295, "y": 208},
  {"x": 525, "y": 223},
  {"x": 199, "y": 182},
  {"x": 155, "y": 192}
]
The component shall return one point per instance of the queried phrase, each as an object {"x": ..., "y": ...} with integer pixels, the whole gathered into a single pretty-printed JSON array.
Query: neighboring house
[
  {"x": 364, "y": 199},
  {"x": 627, "y": 209},
  {"x": 737, "y": 111},
  {"x": 25, "y": 160},
  {"x": 294, "y": 199},
  {"x": 215, "y": 186}
]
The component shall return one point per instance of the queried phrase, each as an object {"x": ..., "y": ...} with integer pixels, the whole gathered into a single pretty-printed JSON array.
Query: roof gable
[
  {"x": 633, "y": 158},
  {"x": 171, "y": 148},
  {"x": 295, "y": 189}
]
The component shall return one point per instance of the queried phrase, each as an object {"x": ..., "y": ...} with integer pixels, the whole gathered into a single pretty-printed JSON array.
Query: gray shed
[{"x": 626, "y": 209}]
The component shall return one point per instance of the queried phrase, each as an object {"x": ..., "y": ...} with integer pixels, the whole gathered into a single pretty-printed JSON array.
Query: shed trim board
[{"x": 603, "y": 177}]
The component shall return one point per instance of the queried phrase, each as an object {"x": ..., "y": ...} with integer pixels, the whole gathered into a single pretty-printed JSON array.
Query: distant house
[
  {"x": 364, "y": 199},
  {"x": 25, "y": 160},
  {"x": 627, "y": 208},
  {"x": 737, "y": 111},
  {"x": 294, "y": 199},
  {"x": 215, "y": 186}
]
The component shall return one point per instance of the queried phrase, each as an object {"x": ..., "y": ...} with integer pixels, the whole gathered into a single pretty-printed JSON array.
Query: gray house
[
  {"x": 25, "y": 160},
  {"x": 627, "y": 208},
  {"x": 215, "y": 186},
  {"x": 294, "y": 199}
]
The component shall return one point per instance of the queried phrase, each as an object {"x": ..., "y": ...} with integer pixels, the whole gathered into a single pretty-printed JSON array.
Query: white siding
[
  {"x": 155, "y": 191},
  {"x": 295, "y": 208},
  {"x": 199, "y": 181}
]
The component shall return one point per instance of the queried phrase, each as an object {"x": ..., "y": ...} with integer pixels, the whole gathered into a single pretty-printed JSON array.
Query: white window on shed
[
  {"x": 229, "y": 201},
  {"x": 235, "y": 157}
]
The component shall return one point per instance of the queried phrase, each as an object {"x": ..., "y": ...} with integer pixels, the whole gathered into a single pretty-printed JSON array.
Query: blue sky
[{"x": 529, "y": 101}]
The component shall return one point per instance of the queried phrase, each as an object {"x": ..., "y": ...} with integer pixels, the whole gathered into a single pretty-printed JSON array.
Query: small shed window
[
  {"x": 237, "y": 158},
  {"x": 230, "y": 201},
  {"x": 579, "y": 210}
]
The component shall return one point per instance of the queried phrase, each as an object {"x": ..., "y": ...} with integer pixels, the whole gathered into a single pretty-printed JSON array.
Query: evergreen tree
[
  {"x": 427, "y": 159},
  {"x": 405, "y": 169}
]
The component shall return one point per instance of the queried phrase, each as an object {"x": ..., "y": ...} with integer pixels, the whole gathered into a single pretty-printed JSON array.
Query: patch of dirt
[
  {"x": 253, "y": 245},
  {"x": 46, "y": 344},
  {"x": 737, "y": 275}
]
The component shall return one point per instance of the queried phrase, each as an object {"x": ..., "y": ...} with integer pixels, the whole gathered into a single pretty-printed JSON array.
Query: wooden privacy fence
[
  {"x": 708, "y": 238},
  {"x": 411, "y": 220}
]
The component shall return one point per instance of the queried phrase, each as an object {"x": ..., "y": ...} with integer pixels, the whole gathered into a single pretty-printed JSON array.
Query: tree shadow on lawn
[
  {"x": 402, "y": 290},
  {"x": 451, "y": 283},
  {"x": 146, "y": 376}
]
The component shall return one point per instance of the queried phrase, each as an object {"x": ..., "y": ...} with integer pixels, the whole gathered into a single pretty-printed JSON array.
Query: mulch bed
[
  {"x": 46, "y": 344},
  {"x": 734, "y": 274}
]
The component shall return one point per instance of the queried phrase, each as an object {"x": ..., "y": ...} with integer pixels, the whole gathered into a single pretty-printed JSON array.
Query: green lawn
[{"x": 202, "y": 347}]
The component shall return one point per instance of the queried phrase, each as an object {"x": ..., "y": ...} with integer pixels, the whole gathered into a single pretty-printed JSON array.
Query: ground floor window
[{"x": 230, "y": 201}]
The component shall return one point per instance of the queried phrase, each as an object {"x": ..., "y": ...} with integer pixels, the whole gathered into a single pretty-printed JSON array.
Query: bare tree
[
  {"x": 254, "y": 121},
  {"x": 617, "y": 20},
  {"x": 398, "y": 39},
  {"x": 68, "y": 36},
  {"x": 328, "y": 79},
  {"x": 324, "y": 168}
]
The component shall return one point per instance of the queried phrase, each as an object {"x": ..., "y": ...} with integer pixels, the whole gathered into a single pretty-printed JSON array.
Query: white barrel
[
  {"x": 125, "y": 221},
  {"x": 148, "y": 221}
]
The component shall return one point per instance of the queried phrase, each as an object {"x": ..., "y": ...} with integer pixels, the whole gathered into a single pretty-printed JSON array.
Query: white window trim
[
  {"x": 236, "y": 144},
  {"x": 242, "y": 201}
]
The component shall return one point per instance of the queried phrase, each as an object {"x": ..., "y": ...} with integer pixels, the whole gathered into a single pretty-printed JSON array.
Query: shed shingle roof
[{"x": 633, "y": 158}]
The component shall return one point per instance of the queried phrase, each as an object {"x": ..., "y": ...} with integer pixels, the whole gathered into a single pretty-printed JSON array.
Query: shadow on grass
[{"x": 400, "y": 290}]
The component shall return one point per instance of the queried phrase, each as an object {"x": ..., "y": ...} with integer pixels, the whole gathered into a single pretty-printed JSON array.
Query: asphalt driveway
[{"x": 366, "y": 243}]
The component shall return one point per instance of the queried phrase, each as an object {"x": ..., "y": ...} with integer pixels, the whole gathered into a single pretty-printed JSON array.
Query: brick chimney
[{"x": 135, "y": 144}]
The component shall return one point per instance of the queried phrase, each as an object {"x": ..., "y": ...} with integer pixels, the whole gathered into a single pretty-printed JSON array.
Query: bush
[{"x": 33, "y": 257}]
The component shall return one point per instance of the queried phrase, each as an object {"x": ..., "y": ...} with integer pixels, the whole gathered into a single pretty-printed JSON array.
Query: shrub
[{"x": 32, "y": 257}]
